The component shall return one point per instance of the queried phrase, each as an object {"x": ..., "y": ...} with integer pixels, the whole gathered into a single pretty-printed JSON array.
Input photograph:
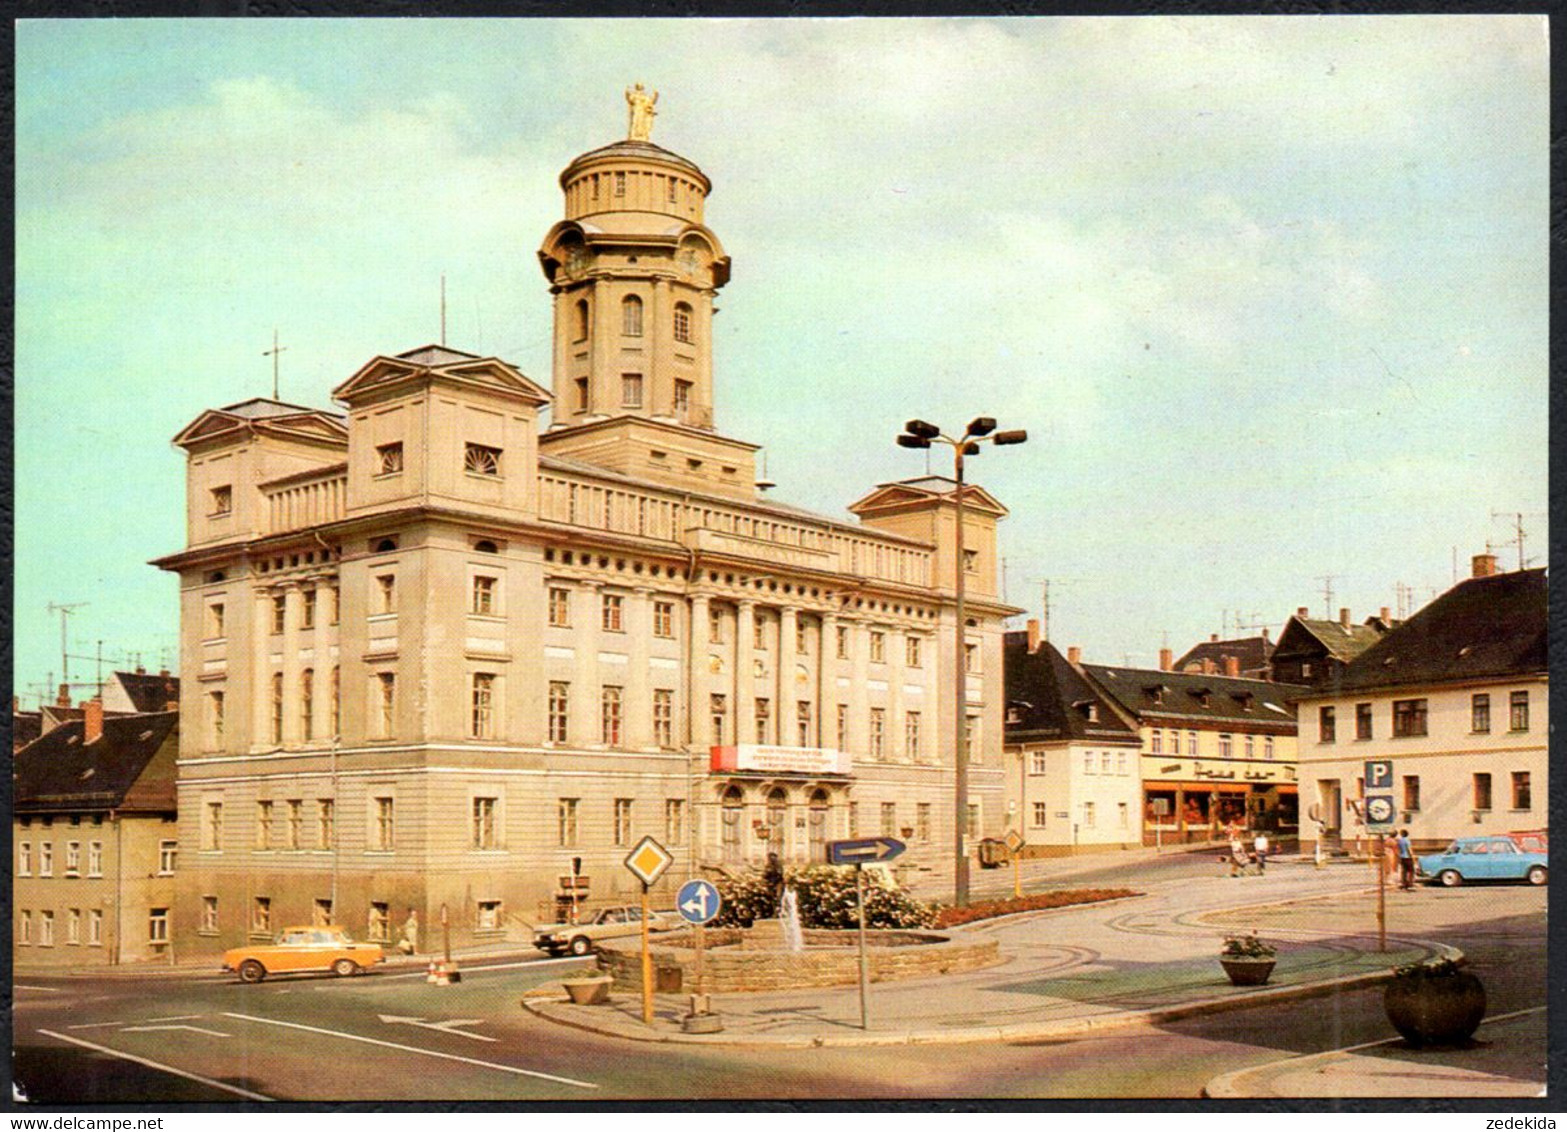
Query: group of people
[
  {"x": 1240, "y": 858},
  {"x": 1401, "y": 858}
]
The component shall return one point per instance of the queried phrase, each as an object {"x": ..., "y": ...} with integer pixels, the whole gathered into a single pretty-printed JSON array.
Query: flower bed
[{"x": 1061, "y": 898}]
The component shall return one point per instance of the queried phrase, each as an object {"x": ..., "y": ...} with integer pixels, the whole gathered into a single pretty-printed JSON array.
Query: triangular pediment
[
  {"x": 438, "y": 363},
  {"x": 931, "y": 491},
  {"x": 245, "y": 418}
]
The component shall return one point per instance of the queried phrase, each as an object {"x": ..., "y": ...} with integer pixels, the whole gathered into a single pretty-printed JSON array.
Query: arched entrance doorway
[
  {"x": 731, "y": 808},
  {"x": 777, "y": 815}
]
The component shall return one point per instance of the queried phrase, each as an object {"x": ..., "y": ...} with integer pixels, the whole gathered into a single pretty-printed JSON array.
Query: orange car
[{"x": 302, "y": 949}]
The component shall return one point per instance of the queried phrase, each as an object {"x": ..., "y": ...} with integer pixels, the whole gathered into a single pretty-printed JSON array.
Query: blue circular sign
[{"x": 698, "y": 901}]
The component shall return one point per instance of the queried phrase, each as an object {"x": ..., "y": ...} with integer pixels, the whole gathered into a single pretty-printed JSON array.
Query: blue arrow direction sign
[
  {"x": 864, "y": 850},
  {"x": 698, "y": 901}
]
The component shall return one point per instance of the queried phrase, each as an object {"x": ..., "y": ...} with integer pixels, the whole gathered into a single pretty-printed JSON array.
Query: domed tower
[{"x": 634, "y": 272}]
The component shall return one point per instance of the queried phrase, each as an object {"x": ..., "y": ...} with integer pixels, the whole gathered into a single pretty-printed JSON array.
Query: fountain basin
[{"x": 757, "y": 959}]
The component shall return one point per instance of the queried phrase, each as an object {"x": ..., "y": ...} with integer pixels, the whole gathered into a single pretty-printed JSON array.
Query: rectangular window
[
  {"x": 682, "y": 397},
  {"x": 622, "y": 821},
  {"x": 664, "y": 717},
  {"x": 279, "y": 613},
  {"x": 95, "y": 927},
  {"x": 483, "y": 602},
  {"x": 483, "y": 828},
  {"x": 209, "y": 915},
  {"x": 212, "y": 826},
  {"x": 46, "y": 929},
  {"x": 386, "y": 593},
  {"x": 843, "y": 642},
  {"x": 613, "y": 615},
  {"x": 558, "y": 704},
  {"x": 1518, "y": 712},
  {"x": 1362, "y": 721},
  {"x": 277, "y": 707},
  {"x": 321, "y": 913},
  {"x": 326, "y": 822},
  {"x": 481, "y": 460},
  {"x": 379, "y": 927},
  {"x": 307, "y": 704},
  {"x": 970, "y": 561},
  {"x": 674, "y": 820},
  {"x": 1038, "y": 760},
  {"x": 718, "y": 708},
  {"x": 1121, "y": 814},
  {"x": 922, "y": 821},
  {"x": 46, "y": 858},
  {"x": 24, "y": 859},
  {"x": 1226, "y": 746},
  {"x": 911, "y": 735},
  {"x": 383, "y": 831},
  {"x": 973, "y": 819},
  {"x": 215, "y": 619},
  {"x": 1412, "y": 792},
  {"x": 560, "y": 607},
  {"x": 157, "y": 926},
  {"x": 1251, "y": 746},
  {"x": 1409, "y": 718},
  {"x": 609, "y": 716},
  {"x": 1175, "y": 743},
  {"x": 481, "y": 724},
  {"x": 261, "y": 915},
  {"x": 222, "y": 500},
  {"x": 1522, "y": 799},
  {"x": 263, "y": 825},
  {"x": 1191, "y": 743},
  {"x": 802, "y": 718},
  {"x": 296, "y": 824},
  {"x": 386, "y": 686},
  {"x": 970, "y": 657},
  {"x": 631, "y": 390},
  {"x": 566, "y": 823},
  {"x": 911, "y": 652},
  {"x": 1120, "y": 762},
  {"x": 389, "y": 458},
  {"x": 843, "y": 727},
  {"x": 24, "y": 927},
  {"x": 487, "y": 916},
  {"x": 854, "y": 818},
  {"x": 971, "y": 740},
  {"x": 715, "y": 626},
  {"x": 1480, "y": 712},
  {"x": 878, "y": 647},
  {"x": 1088, "y": 762},
  {"x": 1267, "y": 747},
  {"x": 307, "y": 608},
  {"x": 802, "y": 638},
  {"x": 889, "y": 819},
  {"x": 582, "y": 387},
  {"x": 1088, "y": 815},
  {"x": 878, "y": 732},
  {"x": 1104, "y": 762},
  {"x": 759, "y": 633},
  {"x": 1156, "y": 742},
  {"x": 1040, "y": 812},
  {"x": 620, "y": 184},
  {"x": 664, "y": 619},
  {"x": 1482, "y": 791},
  {"x": 764, "y": 719},
  {"x": 95, "y": 858},
  {"x": 73, "y": 858}
]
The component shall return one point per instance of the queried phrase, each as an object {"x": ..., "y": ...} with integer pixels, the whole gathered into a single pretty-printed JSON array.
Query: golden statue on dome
[{"x": 642, "y": 113}]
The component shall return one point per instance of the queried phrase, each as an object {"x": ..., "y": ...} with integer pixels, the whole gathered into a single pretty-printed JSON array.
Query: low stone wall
[{"x": 831, "y": 958}]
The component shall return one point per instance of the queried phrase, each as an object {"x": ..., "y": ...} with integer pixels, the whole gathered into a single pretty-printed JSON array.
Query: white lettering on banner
[{"x": 808, "y": 760}]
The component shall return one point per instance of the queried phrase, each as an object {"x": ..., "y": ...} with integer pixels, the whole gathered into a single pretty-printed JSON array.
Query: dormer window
[
  {"x": 481, "y": 460},
  {"x": 222, "y": 500},
  {"x": 1245, "y": 699},
  {"x": 1155, "y": 693},
  {"x": 389, "y": 458},
  {"x": 1204, "y": 696},
  {"x": 1089, "y": 708}
]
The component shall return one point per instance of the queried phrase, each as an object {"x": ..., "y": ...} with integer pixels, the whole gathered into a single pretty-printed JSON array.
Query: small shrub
[
  {"x": 827, "y": 900},
  {"x": 951, "y": 917},
  {"x": 1429, "y": 969},
  {"x": 1246, "y": 947}
]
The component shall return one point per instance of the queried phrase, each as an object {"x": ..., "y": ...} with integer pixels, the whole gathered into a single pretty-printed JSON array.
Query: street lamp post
[{"x": 921, "y": 434}]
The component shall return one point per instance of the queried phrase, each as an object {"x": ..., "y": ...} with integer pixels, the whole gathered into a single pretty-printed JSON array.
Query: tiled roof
[
  {"x": 1252, "y": 652},
  {"x": 1050, "y": 698},
  {"x": 1152, "y": 694},
  {"x": 1482, "y": 627},
  {"x": 25, "y": 727},
  {"x": 259, "y": 408},
  {"x": 149, "y": 691},
  {"x": 59, "y": 770},
  {"x": 1343, "y": 642}
]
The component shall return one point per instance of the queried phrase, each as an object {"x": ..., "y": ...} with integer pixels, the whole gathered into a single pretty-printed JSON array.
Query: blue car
[{"x": 1483, "y": 858}]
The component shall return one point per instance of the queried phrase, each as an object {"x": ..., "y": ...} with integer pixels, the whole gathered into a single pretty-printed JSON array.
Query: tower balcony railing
[{"x": 305, "y": 499}]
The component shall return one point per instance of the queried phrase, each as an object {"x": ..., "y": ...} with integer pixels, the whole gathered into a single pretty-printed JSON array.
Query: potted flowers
[
  {"x": 1435, "y": 1002},
  {"x": 1247, "y": 960}
]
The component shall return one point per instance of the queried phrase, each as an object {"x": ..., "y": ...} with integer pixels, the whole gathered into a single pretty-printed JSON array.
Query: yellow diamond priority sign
[{"x": 648, "y": 860}]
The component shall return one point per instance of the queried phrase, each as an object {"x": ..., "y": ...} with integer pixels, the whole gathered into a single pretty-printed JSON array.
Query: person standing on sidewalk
[
  {"x": 1406, "y": 861},
  {"x": 1260, "y": 848}
]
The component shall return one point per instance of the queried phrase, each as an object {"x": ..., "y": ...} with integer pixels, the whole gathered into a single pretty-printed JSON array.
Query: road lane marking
[
  {"x": 94, "y": 1025},
  {"x": 412, "y": 1049},
  {"x": 448, "y": 1027},
  {"x": 23, "y": 986},
  {"x": 192, "y": 1029},
  {"x": 491, "y": 967},
  {"x": 176, "y": 1018},
  {"x": 236, "y": 1090}
]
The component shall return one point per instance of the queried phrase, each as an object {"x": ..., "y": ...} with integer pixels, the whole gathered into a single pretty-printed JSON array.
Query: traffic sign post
[
  {"x": 860, "y": 852},
  {"x": 1379, "y": 820},
  {"x": 1015, "y": 844},
  {"x": 698, "y": 902},
  {"x": 647, "y": 862}
]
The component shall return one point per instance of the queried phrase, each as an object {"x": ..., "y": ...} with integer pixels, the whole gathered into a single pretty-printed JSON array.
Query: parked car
[
  {"x": 302, "y": 949},
  {"x": 1483, "y": 858},
  {"x": 607, "y": 923},
  {"x": 1531, "y": 840}
]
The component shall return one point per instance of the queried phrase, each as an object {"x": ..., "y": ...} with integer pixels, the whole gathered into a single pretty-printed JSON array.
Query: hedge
[{"x": 951, "y": 917}]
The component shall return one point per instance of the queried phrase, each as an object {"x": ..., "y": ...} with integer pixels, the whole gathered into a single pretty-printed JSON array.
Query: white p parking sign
[{"x": 1379, "y": 774}]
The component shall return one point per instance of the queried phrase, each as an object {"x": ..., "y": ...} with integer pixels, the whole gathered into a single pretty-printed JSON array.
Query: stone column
[
  {"x": 637, "y": 721},
  {"x": 602, "y": 398},
  {"x": 744, "y": 682},
  {"x": 583, "y": 711},
  {"x": 859, "y": 693},
  {"x": 261, "y": 671},
  {"x": 656, "y": 333},
  {"x": 897, "y": 655},
  {"x": 827, "y": 683},
  {"x": 698, "y": 687},
  {"x": 788, "y": 689}
]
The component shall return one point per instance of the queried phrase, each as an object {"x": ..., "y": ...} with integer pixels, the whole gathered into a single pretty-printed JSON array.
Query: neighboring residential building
[
  {"x": 1074, "y": 781},
  {"x": 94, "y": 841},
  {"x": 141, "y": 691},
  {"x": 432, "y": 655},
  {"x": 25, "y": 725},
  {"x": 1241, "y": 656},
  {"x": 1457, "y": 697},
  {"x": 1315, "y": 653},
  {"x": 1216, "y": 750}
]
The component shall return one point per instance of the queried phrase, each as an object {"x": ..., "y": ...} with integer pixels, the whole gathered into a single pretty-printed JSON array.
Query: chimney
[
  {"x": 1166, "y": 660},
  {"x": 1033, "y": 634},
  {"x": 163, "y": 672},
  {"x": 1484, "y": 566},
  {"x": 1301, "y": 612},
  {"x": 1208, "y": 667},
  {"x": 140, "y": 671},
  {"x": 1343, "y": 618},
  {"x": 1213, "y": 637},
  {"x": 92, "y": 720},
  {"x": 64, "y": 698},
  {"x": 1232, "y": 666},
  {"x": 1074, "y": 655},
  {"x": 1386, "y": 616}
]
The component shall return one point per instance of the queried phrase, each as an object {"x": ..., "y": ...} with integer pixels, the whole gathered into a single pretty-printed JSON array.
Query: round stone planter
[
  {"x": 1248, "y": 972},
  {"x": 1441, "y": 1010},
  {"x": 588, "y": 992}
]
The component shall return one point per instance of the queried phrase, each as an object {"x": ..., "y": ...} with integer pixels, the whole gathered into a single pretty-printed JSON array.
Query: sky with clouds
[{"x": 1269, "y": 293}]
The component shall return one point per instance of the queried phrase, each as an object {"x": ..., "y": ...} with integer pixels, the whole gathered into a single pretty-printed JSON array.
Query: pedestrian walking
[
  {"x": 1406, "y": 861},
  {"x": 1237, "y": 856},
  {"x": 1260, "y": 848}
]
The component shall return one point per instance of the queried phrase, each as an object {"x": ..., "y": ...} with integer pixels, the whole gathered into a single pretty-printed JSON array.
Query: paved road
[{"x": 393, "y": 1037}]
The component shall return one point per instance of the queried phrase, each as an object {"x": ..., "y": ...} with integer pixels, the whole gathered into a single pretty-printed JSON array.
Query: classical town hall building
[{"x": 432, "y": 654}]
